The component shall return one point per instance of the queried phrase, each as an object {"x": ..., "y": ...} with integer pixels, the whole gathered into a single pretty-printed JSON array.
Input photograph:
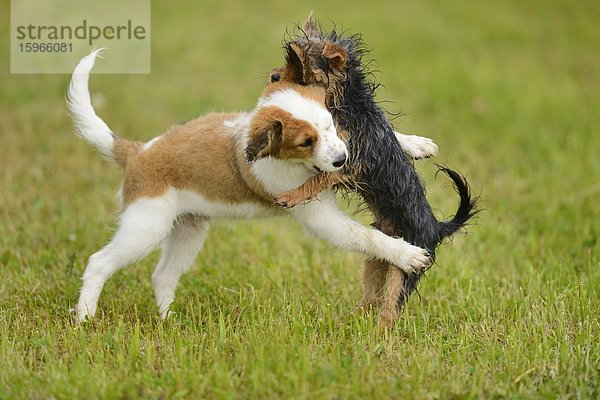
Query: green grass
[{"x": 508, "y": 90}]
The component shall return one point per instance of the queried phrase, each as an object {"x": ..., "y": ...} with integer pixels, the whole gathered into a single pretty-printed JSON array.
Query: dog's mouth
[{"x": 317, "y": 168}]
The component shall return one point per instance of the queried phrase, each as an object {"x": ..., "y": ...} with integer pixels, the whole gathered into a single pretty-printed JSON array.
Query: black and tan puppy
[{"x": 378, "y": 168}]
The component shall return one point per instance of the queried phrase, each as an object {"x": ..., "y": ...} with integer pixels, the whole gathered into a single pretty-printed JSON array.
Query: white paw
[
  {"x": 417, "y": 146},
  {"x": 412, "y": 259},
  {"x": 82, "y": 313},
  {"x": 164, "y": 314}
]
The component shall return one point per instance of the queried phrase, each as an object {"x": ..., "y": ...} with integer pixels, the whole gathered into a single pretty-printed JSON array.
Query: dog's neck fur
[{"x": 278, "y": 176}]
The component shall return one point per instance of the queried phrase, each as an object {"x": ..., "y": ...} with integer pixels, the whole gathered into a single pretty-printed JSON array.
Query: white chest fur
[{"x": 279, "y": 176}]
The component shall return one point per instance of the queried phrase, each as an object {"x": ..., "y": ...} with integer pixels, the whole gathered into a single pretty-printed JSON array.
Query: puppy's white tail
[{"x": 89, "y": 126}]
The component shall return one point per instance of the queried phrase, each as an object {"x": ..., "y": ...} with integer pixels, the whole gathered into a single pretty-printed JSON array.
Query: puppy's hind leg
[
  {"x": 180, "y": 249},
  {"x": 391, "y": 310},
  {"x": 374, "y": 276},
  {"x": 144, "y": 224}
]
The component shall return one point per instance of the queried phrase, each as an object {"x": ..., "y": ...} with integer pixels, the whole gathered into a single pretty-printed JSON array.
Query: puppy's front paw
[
  {"x": 420, "y": 260},
  {"x": 288, "y": 199},
  {"x": 424, "y": 148},
  {"x": 417, "y": 146},
  {"x": 414, "y": 260},
  {"x": 282, "y": 201}
]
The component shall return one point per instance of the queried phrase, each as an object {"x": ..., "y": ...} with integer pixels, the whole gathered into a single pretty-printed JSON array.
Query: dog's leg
[
  {"x": 379, "y": 275},
  {"x": 374, "y": 276},
  {"x": 309, "y": 189},
  {"x": 325, "y": 220},
  {"x": 375, "y": 271},
  {"x": 417, "y": 146},
  {"x": 180, "y": 249},
  {"x": 144, "y": 224},
  {"x": 391, "y": 311}
]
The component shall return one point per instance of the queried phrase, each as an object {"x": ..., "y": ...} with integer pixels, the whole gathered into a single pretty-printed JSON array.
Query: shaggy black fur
[{"x": 385, "y": 176}]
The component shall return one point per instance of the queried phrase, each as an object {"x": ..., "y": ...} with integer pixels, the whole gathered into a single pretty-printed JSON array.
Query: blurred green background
[{"x": 509, "y": 92}]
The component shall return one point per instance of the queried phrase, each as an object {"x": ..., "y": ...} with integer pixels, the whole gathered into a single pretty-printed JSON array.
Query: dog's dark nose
[
  {"x": 275, "y": 77},
  {"x": 338, "y": 163}
]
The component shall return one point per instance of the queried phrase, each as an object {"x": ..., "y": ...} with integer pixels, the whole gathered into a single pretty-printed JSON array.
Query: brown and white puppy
[{"x": 220, "y": 166}]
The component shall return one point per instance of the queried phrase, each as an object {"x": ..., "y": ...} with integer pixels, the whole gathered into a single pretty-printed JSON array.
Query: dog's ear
[
  {"x": 264, "y": 136},
  {"x": 310, "y": 29},
  {"x": 336, "y": 54},
  {"x": 295, "y": 66}
]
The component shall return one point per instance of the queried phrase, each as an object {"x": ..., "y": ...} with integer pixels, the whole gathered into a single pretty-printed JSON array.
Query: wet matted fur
[{"x": 378, "y": 169}]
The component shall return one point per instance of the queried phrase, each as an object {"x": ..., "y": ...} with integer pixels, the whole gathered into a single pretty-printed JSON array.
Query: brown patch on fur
[
  {"x": 336, "y": 54},
  {"x": 265, "y": 135},
  {"x": 202, "y": 155},
  {"x": 275, "y": 132},
  {"x": 301, "y": 67},
  {"x": 124, "y": 150},
  {"x": 342, "y": 133}
]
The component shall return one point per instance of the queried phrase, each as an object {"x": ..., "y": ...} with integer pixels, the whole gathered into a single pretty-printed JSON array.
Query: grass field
[{"x": 509, "y": 91}]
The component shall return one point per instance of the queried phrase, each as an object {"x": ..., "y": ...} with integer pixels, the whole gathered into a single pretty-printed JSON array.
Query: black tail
[{"x": 466, "y": 209}]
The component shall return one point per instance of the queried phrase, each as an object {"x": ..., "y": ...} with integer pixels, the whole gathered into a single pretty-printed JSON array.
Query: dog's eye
[
  {"x": 307, "y": 143},
  {"x": 275, "y": 77}
]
